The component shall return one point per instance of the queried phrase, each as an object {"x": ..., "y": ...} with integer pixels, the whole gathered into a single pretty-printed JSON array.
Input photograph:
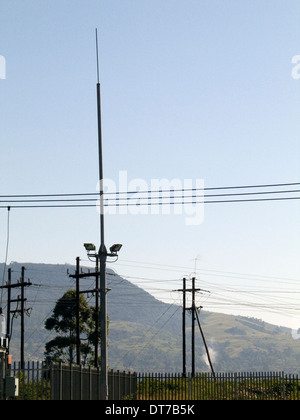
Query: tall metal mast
[{"x": 102, "y": 250}]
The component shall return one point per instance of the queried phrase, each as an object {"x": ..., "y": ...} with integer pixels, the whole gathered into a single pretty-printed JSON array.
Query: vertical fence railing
[
  {"x": 122, "y": 385},
  {"x": 222, "y": 386},
  {"x": 38, "y": 381},
  {"x": 83, "y": 383},
  {"x": 34, "y": 380}
]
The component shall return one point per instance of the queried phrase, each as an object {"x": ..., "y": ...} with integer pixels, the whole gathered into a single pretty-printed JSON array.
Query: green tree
[{"x": 62, "y": 348}]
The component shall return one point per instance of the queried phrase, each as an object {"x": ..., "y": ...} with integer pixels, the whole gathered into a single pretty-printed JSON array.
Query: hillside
[{"x": 145, "y": 334}]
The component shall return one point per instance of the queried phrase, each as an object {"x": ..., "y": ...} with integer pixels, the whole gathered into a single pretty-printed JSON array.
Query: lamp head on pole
[
  {"x": 89, "y": 247},
  {"x": 114, "y": 249}
]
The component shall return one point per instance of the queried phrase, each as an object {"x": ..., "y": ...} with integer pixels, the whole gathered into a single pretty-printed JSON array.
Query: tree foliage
[{"x": 62, "y": 348}]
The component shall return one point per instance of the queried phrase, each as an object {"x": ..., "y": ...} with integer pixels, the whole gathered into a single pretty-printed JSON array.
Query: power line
[
  {"x": 152, "y": 191},
  {"x": 203, "y": 271},
  {"x": 130, "y": 204},
  {"x": 48, "y": 200},
  {"x": 166, "y": 197}
]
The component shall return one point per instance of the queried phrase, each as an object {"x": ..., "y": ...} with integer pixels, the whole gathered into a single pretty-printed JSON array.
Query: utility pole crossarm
[
  {"x": 82, "y": 275},
  {"x": 16, "y": 285},
  {"x": 191, "y": 290}
]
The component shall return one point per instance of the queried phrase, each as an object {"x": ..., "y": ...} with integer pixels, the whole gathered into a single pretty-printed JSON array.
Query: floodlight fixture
[
  {"x": 114, "y": 249},
  {"x": 90, "y": 247}
]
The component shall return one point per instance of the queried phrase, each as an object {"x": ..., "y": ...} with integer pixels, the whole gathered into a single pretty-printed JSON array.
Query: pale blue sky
[{"x": 190, "y": 89}]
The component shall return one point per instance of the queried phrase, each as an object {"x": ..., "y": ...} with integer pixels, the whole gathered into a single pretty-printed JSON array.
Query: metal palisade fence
[
  {"x": 38, "y": 381},
  {"x": 220, "y": 386},
  {"x": 63, "y": 382}
]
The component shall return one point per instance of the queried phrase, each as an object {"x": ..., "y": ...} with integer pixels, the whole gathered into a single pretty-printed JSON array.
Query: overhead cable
[{"x": 183, "y": 196}]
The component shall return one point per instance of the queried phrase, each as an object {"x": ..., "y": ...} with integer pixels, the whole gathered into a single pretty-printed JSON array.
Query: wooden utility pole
[
  {"x": 77, "y": 312},
  {"x": 78, "y": 275},
  {"x": 193, "y": 325},
  {"x": 205, "y": 345},
  {"x": 8, "y": 303},
  {"x": 22, "y": 319},
  {"x": 195, "y": 316},
  {"x": 21, "y": 299},
  {"x": 184, "y": 290},
  {"x": 184, "y": 330}
]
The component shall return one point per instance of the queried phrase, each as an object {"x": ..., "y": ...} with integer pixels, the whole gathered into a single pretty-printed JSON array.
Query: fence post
[
  {"x": 235, "y": 386},
  {"x": 51, "y": 382},
  {"x": 135, "y": 382},
  {"x": 283, "y": 385},
  {"x": 31, "y": 368},
  {"x": 60, "y": 382},
  {"x": 190, "y": 386},
  {"x": 112, "y": 391}
]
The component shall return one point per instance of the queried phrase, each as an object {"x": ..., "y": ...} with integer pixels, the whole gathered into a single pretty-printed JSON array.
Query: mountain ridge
[{"x": 145, "y": 334}]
